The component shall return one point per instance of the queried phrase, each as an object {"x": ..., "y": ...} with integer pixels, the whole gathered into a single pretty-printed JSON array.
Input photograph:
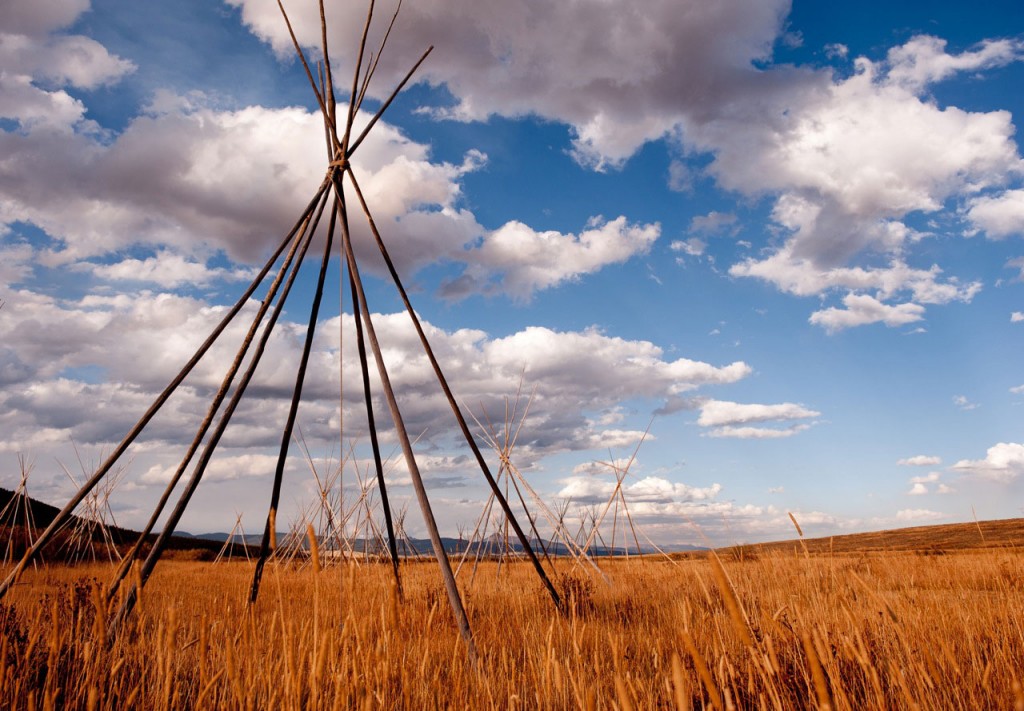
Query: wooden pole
[
  {"x": 454, "y": 599},
  {"x": 374, "y": 444},
  {"x": 451, "y": 398},
  {"x": 168, "y": 530},
  {"x": 286, "y": 436},
  {"x": 62, "y": 516}
]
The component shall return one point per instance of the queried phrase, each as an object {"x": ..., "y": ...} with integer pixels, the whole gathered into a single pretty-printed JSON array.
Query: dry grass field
[{"x": 775, "y": 630}]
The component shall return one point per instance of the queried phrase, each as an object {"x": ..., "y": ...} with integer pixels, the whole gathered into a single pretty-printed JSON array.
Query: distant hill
[
  {"x": 14, "y": 533},
  {"x": 942, "y": 538}
]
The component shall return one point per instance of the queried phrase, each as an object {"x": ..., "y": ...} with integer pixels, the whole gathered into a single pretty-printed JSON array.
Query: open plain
[{"x": 759, "y": 627}]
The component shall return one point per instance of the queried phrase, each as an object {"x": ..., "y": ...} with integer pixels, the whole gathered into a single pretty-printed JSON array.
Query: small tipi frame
[
  {"x": 228, "y": 549},
  {"x": 16, "y": 516}
]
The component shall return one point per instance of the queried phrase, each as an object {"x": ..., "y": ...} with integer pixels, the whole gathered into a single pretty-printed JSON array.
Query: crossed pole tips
[{"x": 338, "y": 183}]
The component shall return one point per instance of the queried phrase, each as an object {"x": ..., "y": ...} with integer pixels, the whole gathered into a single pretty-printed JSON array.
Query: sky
[{"x": 774, "y": 249}]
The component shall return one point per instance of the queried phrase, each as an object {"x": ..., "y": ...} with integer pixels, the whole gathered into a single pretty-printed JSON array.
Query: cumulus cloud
[
  {"x": 41, "y": 17},
  {"x": 624, "y": 77},
  {"x": 733, "y": 419},
  {"x": 1003, "y": 462},
  {"x": 649, "y": 490},
  {"x": 59, "y": 355},
  {"x": 919, "y": 484},
  {"x": 850, "y": 162},
  {"x": 694, "y": 246},
  {"x": 716, "y": 413},
  {"x": 1000, "y": 215},
  {"x": 1016, "y": 317},
  {"x": 920, "y": 460},
  {"x": 861, "y": 309},
  {"x": 166, "y": 270},
  {"x": 75, "y": 61},
  {"x": 233, "y": 181},
  {"x": 801, "y": 277},
  {"x": 33, "y": 55},
  {"x": 923, "y": 60},
  {"x": 594, "y": 468},
  {"x": 713, "y": 223},
  {"x": 113, "y": 199},
  {"x": 241, "y": 466},
  {"x": 914, "y": 515},
  {"x": 963, "y": 403},
  {"x": 756, "y": 432},
  {"x": 846, "y": 158},
  {"x": 518, "y": 260}
]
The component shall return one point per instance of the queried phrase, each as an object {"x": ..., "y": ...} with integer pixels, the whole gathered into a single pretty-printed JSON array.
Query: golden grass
[{"x": 779, "y": 631}]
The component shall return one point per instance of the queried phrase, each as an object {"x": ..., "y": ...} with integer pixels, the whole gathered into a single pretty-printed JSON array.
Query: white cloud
[
  {"x": 923, "y": 60},
  {"x": 756, "y": 432},
  {"x": 1003, "y": 462},
  {"x": 144, "y": 338},
  {"x": 920, "y": 460},
  {"x": 1018, "y": 390},
  {"x": 519, "y": 260},
  {"x": 75, "y": 61},
  {"x": 693, "y": 246},
  {"x": 112, "y": 199},
  {"x": 32, "y": 56},
  {"x": 733, "y": 419},
  {"x": 801, "y": 277},
  {"x": 846, "y": 158},
  {"x": 39, "y": 17},
  {"x": 919, "y": 484},
  {"x": 166, "y": 270},
  {"x": 15, "y": 262},
  {"x": 241, "y": 466},
  {"x": 716, "y": 413},
  {"x": 836, "y": 51},
  {"x": 713, "y": 223},
  {"x": 1000, "y": 215},
  {"x": 861, "y": 309},
  {"x": 850, "y": 161},
  {"x": 33, "y": 108},
  {"x": 649, "y": 490},
  {"x": 623, "y": 76},
  {"x": 906, "y": 515},
  {"x": 1016, "y": 317},
  {"x": 963, "y": 403},
  {"x": 600, "y": 468}
]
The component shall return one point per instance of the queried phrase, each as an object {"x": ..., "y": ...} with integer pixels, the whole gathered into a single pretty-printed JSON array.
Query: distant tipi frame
[{"x": 339, "y": 178}]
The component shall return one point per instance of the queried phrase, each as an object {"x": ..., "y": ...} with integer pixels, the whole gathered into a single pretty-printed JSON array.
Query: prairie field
[{"x": 773, "y": 630}]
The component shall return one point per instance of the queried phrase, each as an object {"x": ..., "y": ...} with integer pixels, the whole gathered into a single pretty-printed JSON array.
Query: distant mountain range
[
  {"x": 42, "y": 514},
  {"x": 422, "y": 546},
  {"x": 929, "y": 539}
]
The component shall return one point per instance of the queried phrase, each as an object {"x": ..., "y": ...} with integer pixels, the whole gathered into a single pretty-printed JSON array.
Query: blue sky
[{"x": 788, "y": 236}]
